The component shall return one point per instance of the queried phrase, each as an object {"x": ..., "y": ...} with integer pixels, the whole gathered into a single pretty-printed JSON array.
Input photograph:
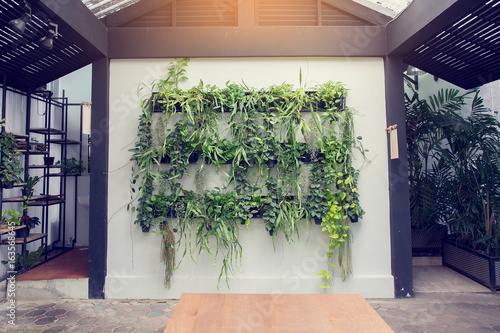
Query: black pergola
[{"x": 456, "y": 40}]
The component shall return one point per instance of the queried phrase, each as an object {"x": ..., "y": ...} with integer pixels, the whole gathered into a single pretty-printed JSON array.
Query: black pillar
[
  {"x": 401, "y": 253},
  {"x": 98, "y": 224}
]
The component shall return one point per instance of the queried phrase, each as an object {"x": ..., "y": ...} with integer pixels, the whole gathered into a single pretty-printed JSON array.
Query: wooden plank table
[{"x": 274, "y": 313}]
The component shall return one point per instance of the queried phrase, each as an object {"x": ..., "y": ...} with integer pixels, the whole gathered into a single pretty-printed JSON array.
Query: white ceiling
[{"x": 102, "y": 8}]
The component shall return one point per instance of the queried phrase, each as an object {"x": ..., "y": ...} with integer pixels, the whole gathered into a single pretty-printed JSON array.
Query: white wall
[
  {"x": 134, "y": 268},
  {"x": 490, "y": 92}
]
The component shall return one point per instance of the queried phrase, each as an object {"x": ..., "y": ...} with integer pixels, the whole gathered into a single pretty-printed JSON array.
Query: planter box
[
  {"x": 427, "y": 242},
  {"x": 479, "y": 267}
]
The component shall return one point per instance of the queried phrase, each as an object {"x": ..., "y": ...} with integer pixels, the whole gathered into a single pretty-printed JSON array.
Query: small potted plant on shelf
[
  {"x": 30, "y": 223},
  {"x": 48, "y": 160},
  {"x": 71, "y": 165},
  {"x": 30, "y": 184},
  {"x": 33, "y": 144},
  {"x": 9, "y": 218},
  {"x": 31, "y": 258},
  {"x": 9, "y": 164}
]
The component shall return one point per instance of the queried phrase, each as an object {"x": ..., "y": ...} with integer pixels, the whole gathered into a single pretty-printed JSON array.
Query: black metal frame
[
  {"x": 49, "y": 103},
  {"x": 98, "y": 226},
  {"x": 494, "y": 272}
]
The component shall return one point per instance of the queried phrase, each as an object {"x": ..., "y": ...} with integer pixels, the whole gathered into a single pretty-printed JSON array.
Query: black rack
[{"x": 53, "y": 134}]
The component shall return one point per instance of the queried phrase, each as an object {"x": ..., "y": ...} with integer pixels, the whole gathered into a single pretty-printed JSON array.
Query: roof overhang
[
  {"x": 456, "y": 40},
  {"x": 81, "y": 39}
]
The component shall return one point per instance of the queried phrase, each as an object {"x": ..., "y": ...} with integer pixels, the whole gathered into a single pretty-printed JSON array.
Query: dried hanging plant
[
  {"x": 159, "y": 135},
  {"x": 200, "y": 177},
  {"x": 168, "y": 253}
]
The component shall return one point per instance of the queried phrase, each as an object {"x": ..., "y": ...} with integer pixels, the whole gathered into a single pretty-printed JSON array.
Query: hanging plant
[{"x": 264, "y": 130}]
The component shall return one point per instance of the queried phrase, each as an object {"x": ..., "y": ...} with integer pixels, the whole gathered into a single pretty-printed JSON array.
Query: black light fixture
[
  {"x": 19, "y": 24},
  {"x": 47, "y": 41},
  {"x": 415, "y": 72}
]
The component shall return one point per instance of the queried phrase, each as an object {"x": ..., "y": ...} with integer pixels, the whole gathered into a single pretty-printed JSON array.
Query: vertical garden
[{"x": 285, "y": 154}]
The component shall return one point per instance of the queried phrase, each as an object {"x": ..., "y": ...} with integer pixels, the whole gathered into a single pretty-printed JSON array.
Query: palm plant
[{"x": 454, "y": 167}]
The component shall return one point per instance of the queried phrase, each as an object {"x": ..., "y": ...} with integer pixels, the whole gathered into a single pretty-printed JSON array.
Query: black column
[
  {"x": 401, "y": 255},
  {"x": 98, "y": 224}
]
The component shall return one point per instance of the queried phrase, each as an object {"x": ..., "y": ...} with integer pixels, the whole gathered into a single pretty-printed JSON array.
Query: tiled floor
[
  {"x": 429, "y": 276},
  {"x": 70, "y": 265}
]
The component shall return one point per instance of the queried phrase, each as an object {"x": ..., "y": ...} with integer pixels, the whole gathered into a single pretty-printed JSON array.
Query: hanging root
[{"x": 168, "y": 254}]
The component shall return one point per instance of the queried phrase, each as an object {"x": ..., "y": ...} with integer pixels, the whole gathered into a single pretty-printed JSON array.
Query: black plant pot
[
  {"x": 271, "y": 232},
  {"x": 172, "y": 213},
  {"x": 28, "y": 192},
  {"x": 145, "y": 228},
  {"x": 165, "y": 160},
  {"x": 48, "y": 161},
  {"x": 354, "y": 219},
  {"x": 8, "y": 185},
  {"x": 271, "y": 163},
  {"x": 23, "y": 232},
  {"x": 306, "y": 158},
  {"x": 193, "y": 158},
  {"x": 259, "y": 213},
  {"x": 251, "y": 163},
  {"x": 317, "y": 220}
]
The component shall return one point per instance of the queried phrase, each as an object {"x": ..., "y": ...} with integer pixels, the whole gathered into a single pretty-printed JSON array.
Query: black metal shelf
[
  {"x": 46, "y": 131},
  {"x": 54, "y": 166},
  {"x": 32, "y": 152},
  {"x": 9, "y": 229},
  {"x": 29, "y": 239},
  {"x": 48, "y": 139},
  {"x": 64, "y": 141}
]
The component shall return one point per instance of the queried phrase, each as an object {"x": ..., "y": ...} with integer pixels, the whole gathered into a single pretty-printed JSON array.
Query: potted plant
[
  {"x": 30, "y": 184},
  {"x": 430, "y": 203},
  {"x": 9, "y": 164},
  {"x": 317, "y": 205},
  {"x": 31, "y": 258},
  {"x": 29, "y": 222},
  {"x": 71, "y": 165},
  {"x": 48, "y": 160},
  {"x": 10, "y": 218},
  {"x": 261, "y": 127},
  {"x": 465, "y": 152}
]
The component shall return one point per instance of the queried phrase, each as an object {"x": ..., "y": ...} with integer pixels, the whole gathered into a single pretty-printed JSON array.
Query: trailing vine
[{"x": 283, "y": 167}]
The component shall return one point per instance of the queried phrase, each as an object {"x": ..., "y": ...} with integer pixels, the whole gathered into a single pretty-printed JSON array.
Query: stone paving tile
[{"x": 426, "y": 313}]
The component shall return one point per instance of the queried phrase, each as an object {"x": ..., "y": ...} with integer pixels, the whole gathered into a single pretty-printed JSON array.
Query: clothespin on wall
[
  {"x": 393, "y": 132},
  {"x": 86, "y": 117}
]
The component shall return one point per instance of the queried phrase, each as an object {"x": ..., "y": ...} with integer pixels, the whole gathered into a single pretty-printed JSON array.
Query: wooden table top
[{"x": 274, "y": 313}]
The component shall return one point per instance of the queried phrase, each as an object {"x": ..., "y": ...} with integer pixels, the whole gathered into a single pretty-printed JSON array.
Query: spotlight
[
  {"x": 19, "y": 25},
  {"x": 414, "y": 71},
  {"x": 47, "y": 41}
]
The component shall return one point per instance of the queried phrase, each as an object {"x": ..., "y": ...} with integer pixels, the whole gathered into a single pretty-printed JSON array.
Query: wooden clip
[{"x": 393, "y": 132}]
